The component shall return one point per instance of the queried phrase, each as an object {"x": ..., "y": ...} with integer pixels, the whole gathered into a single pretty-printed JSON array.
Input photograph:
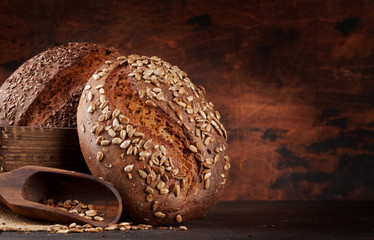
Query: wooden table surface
[{"x": 255, "y": 220}]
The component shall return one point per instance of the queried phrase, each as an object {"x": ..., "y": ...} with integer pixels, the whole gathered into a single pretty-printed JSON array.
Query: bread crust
[
  {"x": 45, "y": 90},
  {"x": 147, "y": 129}
]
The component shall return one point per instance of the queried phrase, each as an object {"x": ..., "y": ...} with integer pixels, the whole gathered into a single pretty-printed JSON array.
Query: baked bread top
[
  {"x": 45, "y": 90},
  {"x": 147, "y": 129}
]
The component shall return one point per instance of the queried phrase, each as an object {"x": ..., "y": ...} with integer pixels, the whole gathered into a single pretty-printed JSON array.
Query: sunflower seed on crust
[
  {"x": 164, "y": 191},
  {"x": 206, "y": 183},
  {"x": 117, "y": 141},
  {"x": 91, "y": 108},
  {"x": 179, "y": 115},
  {"x": 116, "y": 113},
  {"x": 142, "y": 174},
  {"x": 125, "y": 144},
  {"x": 160, "y": 96},
  {"x": 104, "y": 142},
  {"x": 121, "y": 58},
  {"x": 139, "y": 134},
  {"x": 129, "y": 128},
  {"x": 177, "y": 190},
  {"x": 99, "y": 86},
  {"x": 154, "y": 205},
  {"x": 216, "y": 158},
  {"x": 149, "y": 198},
  {"x": 192, "y": 148},
  {"x": 182, "y": 104},
  {"x": 227, "y": 166},
  {"x": 115, "y": 122},
  {"x": 118, "y": 128},
  {"x": 102, "y": 99},
  {"x": 129, "y": 167},
  {"x": 101, "y": 118},
  {"x": 147, "y": 144},
  {"x": 149, "y": 190},
  {"x": 99, "y": 139},
  {"x": 207, "y": 141},
  {"x": 83, "y": 128},
  {"x": 172, "y": 188},
  {"x": 89, "y": 96},
  {"x": 209, "y": 160},
  {"x": 103, "y": 105},
  {"x": 96, "y": 77},
  {"x": 159, "y": 214},
  {"x": 165, "y": 178},
  {"x": 178, "y": 218},
  {"x": 122, "y": 134},
  {"x": 208, "y": 175},
  {"x": 134, "y": 150},
  {"x": 144, "y": 154},
  {"x": 199, "y": 157},
  {"x": 163, "y": 149},
  {"x": 160, "y": 185},
  {"x": 111, "y": 132},
  {"x": 99, "y": 156},
  {"x": 123, "y": 119},
  {"x": 150, "y": 103},
  {"x": 149, "y": 180}
]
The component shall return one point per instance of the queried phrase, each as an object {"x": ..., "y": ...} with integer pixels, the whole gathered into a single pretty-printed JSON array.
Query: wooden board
[
  {"x": 48, "y": 147},
  {"x": 293, "y": 80}
]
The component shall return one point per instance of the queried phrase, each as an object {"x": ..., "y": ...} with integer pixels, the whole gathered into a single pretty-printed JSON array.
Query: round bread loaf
[
  {"x": 45, "y": 90},
  {"x": 147, "y": 129}
]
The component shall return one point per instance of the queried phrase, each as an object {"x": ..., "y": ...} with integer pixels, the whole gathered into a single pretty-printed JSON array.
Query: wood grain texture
[
  {"x": 48, "y": 147},
  {"x": 293, "y": 80}
]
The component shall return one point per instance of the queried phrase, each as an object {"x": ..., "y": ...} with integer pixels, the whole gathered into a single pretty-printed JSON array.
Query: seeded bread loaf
[
  {"x": 45, "y": 90},
  {"x": 147, "y": 129}
]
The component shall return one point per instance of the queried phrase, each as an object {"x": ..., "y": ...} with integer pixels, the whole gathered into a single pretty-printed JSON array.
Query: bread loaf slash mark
[{"x": 125, "y": 98}]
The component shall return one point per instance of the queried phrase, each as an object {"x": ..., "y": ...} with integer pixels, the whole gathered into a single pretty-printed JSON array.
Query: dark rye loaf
[
  {"x": 45, "y": 90},
  {"x": 147, "y": 129}
]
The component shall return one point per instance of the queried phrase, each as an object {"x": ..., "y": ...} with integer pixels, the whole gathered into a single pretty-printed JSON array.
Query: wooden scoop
[{"x": 24, "y": 189}]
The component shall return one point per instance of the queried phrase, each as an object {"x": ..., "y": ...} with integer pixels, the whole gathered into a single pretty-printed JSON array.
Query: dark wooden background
[{"x": 294, "y": 80}]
